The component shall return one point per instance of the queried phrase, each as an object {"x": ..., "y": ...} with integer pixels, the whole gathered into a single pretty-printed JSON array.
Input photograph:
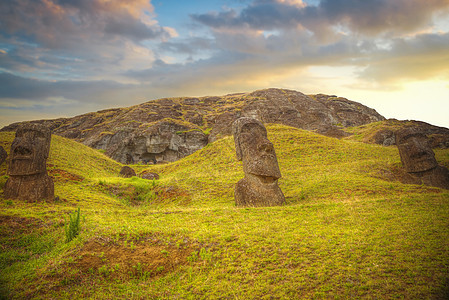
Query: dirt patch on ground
[
  {"x": 153, "y": 194},
  {"x": 172, "y": 192},
  {"x": 64, "y": 176},
  {"x": 127, "y": 259},
  {"x": 120, "y": 259},
  {"x": 11, "y": 226}
]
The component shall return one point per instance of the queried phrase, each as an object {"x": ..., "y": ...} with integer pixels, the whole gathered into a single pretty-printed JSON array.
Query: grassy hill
[{"x": 346, "y": 231}]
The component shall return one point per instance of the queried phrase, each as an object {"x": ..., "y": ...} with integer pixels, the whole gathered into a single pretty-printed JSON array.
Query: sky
[{"x": 61, "y": 58}]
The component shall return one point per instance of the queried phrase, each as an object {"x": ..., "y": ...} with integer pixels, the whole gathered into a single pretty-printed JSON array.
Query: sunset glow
[{"x": 63, "y": 58}]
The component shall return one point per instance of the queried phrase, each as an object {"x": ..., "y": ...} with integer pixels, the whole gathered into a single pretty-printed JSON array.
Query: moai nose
[
  {"x": 22, "y": 150},
  {"x": 266, "y": 146}
]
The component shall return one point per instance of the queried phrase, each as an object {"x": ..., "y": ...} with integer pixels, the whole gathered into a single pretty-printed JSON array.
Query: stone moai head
[
  {"x": 415, "y": 151},
  {"x": 254, "y": 149},
  {"x": 29, "y": 150}
]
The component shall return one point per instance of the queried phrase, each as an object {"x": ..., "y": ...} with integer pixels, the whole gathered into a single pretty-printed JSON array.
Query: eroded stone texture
[
  {"x": 127, "y": 172},
  {"x": 166, "y": 130},
  {"x": 27, "y": 170},
  {"x": 149, "y": 175},
  {"x": 3, "y": 155},
  {"x": 259, "y": 187},
  {"x": 418, "y": 158}
]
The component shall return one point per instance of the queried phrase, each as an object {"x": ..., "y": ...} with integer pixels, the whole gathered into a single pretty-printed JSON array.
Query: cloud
[
  {"x": 40, "y": 93},
  {"x": 382, "y": 39},
  {"x": 68, "y": 39},
  {"x": 366, "y": 17},
  {"x": 103, "y": 53},
  {"x": 60, "y": 24},
  {"x": 419, "y": 58},
  {"x": 379, "y": 16}
]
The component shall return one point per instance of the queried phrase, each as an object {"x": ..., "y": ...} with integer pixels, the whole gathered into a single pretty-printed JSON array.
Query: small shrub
[{"x": 73, "y": 228}]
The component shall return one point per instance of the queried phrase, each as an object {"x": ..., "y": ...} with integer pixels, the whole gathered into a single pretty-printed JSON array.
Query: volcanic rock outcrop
[
  {"x": 419, "y": 160},
  {"x": 169, "y": 129},
  {"x": 383, "y": 132},
  {"x": 27, "y": 170},
  {"x": 260, "y": 186}
]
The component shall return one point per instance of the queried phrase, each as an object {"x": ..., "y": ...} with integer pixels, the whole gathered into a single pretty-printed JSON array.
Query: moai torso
[
  {"x": 418, "y": 158},
  {"x": 27, "y": 170},
  {"x": 259, "y": 187}
]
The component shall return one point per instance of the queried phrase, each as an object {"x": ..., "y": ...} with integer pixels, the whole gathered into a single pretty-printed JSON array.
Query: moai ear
[{"x": 236, "y": 133}]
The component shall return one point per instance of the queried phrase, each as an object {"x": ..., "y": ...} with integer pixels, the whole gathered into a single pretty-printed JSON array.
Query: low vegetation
[{"x": 346, "y": 231}]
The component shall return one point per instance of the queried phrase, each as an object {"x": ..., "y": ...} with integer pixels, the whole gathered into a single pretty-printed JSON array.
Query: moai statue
[
  {"x": 3, "y": 155},
  {"x": 27, "y": 170},
  {"x": 418, "y": 158},
  {"x": 259, "y": 187}
]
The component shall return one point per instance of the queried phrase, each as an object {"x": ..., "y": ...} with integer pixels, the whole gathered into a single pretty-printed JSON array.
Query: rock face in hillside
[
  {"x": 3, "y": 155},
  {"x": 259, "y": 187},
  {"x": 324, "y": 114},
  {"x": 419, "y": 160},
  {"x": 169, "y": 129},
  {"x": 27, "y": 170},
  {"x": 383, "y": 133}
]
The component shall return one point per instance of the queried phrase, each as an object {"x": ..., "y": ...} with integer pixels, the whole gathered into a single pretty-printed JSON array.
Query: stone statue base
[
  {"x": 437, "y": 177},
  {"x": 258, "y": 191},
  {"x": 32, "y": 188}
]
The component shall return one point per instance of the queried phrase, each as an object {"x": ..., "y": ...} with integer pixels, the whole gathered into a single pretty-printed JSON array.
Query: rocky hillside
[
  {"x": 382, "y": 132},
  {"x": 171, "y": 128}
]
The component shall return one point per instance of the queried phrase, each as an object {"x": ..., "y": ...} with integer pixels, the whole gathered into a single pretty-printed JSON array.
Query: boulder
[
  {"x": 150, "y": 176},
  {"x": 127, "y": 172}
]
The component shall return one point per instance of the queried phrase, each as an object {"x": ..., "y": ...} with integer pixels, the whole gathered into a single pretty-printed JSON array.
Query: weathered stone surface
[
  {"x": 438, "y": 177},
  {"x": 418, "y": 158},
  {"x": 169, "y": 129},
  {"x": 414, "y": 149},
  {"x": 149, "y": 175},
  {"x": 383, "y": 133},
  {"x": 162, "y": 142},
  {"x": 32, "y": 188},
  {"x": 3, "y": 155},
  {"x": 259, "y": 187},
  {"x": 127, "y": 172},
  {"x": 27, "y": 170}
]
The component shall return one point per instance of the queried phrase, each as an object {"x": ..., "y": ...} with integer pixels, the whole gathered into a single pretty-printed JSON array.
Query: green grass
[
  {"x": 344, "y": 233},
  {"x": 366, "y": 133}
]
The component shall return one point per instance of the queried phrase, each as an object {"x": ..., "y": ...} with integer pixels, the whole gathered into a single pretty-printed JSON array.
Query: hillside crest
[{"x": 168, "y": 129}]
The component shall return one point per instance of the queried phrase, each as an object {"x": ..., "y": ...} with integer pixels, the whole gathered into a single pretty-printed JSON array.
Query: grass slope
[{"x": 345, "y": 232}]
